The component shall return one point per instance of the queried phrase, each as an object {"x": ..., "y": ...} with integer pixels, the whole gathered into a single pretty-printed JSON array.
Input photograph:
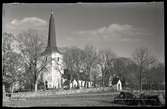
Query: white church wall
[
  {"x": 119, "y": 85},
  {"x": 56, "y": 69}
]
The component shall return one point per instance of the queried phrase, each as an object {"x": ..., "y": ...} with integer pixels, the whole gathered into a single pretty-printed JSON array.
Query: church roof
[{"x": 51, "y": 46}]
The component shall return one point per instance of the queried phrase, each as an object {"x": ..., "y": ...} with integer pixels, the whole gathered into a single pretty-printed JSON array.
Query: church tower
[{"x": 54, "y": 68}]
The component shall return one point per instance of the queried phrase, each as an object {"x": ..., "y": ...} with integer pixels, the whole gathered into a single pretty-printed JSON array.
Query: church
[{"x": 52, "y": 75}]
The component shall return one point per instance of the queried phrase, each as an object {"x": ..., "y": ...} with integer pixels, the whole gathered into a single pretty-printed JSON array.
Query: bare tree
[
  {"x": 12, "y": 68},
  {"x": 31, "y": 46},
  {"x": 119, "y": 66},
  {"x": 68, "y": 59},
  {"x": 106, "y": 58},
  {"x": 155, "y": 76},
  {"x": 90, "y": 61},
  {"x": 73, "y": 58},
  {"x": 143, "y": 59},
  {"x": 125, "y": 68}
]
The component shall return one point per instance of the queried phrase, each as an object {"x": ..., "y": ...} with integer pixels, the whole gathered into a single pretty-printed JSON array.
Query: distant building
[
  {"x": 54, "y": 68},
  {"x": 115, "y": 83}
]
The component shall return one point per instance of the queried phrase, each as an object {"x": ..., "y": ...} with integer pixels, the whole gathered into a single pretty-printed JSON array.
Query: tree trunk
[
  {"x": 12, "y": 88},
  {"x": 140, "y": 78},
  {"x": 89, "y": 76},
  {"x": 102, "y": 80},
  {"x": 36, "y": 86},
  {"x": 70, "y": 82},
  {"x": 35, "y": 75},
  {"x": 94, "y": 83},
  {"x": 85, "y": 84},
  {"x": 62, "y": 85},
  {"x": 78, "y": 85}
]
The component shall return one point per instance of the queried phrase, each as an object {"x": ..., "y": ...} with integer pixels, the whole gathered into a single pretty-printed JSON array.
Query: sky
[{"x": 120, "y": 27}]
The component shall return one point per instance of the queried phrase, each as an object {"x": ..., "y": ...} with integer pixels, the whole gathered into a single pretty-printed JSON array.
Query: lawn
[
  {"x": 76, "y": 98},
  {"x": 91, "y": 99}
]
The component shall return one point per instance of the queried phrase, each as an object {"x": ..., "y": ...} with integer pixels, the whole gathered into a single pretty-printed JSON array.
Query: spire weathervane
[{"x": 51, "y": 11}]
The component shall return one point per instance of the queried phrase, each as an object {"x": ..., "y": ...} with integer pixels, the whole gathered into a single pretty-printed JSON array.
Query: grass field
[
  {"x": 104, "y": 98},
  {"x": 92, "y": 99}
]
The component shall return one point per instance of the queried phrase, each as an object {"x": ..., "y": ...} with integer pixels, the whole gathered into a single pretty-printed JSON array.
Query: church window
[{"x": 58, "y": 59}]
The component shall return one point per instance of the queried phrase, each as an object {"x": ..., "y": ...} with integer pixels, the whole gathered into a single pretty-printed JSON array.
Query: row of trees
[
  {"x": 22, "y": 62},
  {"x": 90, "y": 64},
  {"x": 21, "y": 59}
]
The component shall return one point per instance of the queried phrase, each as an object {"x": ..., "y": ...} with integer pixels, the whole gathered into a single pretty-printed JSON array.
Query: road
[{"x": 89, "y": 99}]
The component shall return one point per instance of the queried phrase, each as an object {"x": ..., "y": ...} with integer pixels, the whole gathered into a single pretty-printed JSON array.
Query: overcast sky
[{"x": 121, "y": 27}]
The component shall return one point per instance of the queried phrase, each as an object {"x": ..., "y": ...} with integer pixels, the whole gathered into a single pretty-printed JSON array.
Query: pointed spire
[{"x": 51, "y": 46}]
